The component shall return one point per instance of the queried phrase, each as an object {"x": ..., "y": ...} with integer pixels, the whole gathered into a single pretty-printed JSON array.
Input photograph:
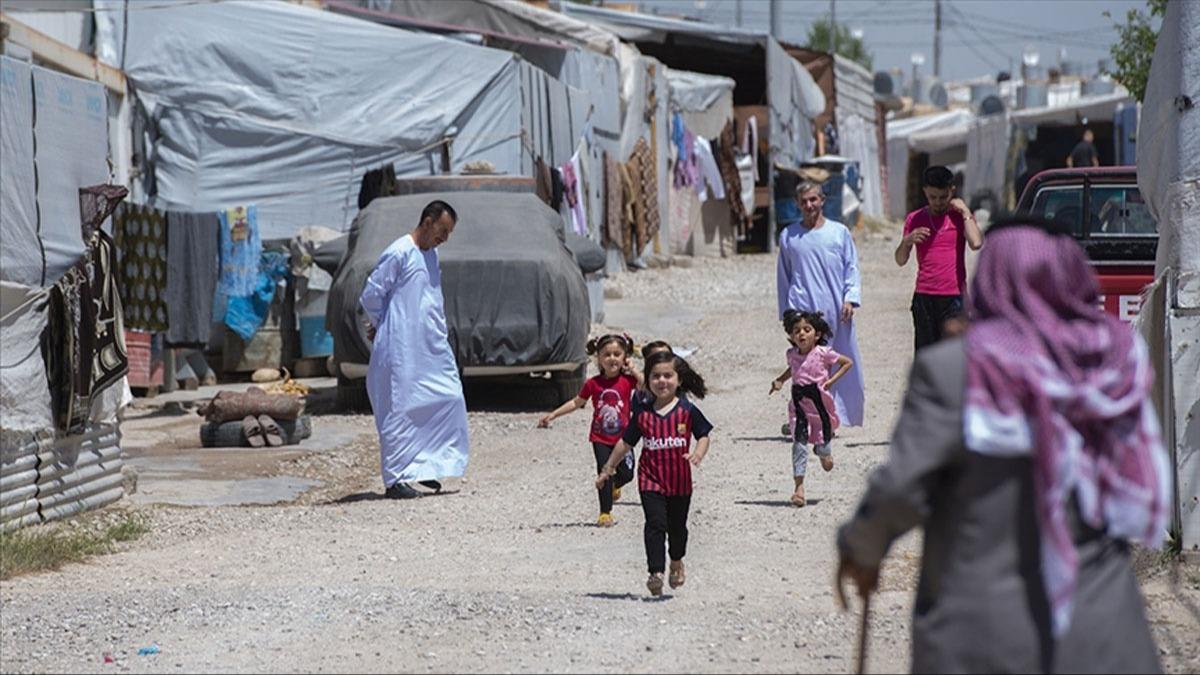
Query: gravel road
[{"x": 508, "y": 572}]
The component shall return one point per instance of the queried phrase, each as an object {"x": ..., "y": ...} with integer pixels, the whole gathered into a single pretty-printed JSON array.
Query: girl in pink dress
[{"x": 809, "y": 361}]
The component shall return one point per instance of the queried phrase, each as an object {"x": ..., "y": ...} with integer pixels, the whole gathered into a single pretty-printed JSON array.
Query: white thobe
[
  {"x": 413, "y": 379},
  {"x": 818, "y": 272}
]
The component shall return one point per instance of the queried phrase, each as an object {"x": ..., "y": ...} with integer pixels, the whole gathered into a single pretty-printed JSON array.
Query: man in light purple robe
[{"x": 818, "y": 272}]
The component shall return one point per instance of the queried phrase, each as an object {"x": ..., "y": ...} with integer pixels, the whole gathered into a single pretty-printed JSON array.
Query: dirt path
[{"x": 508, "y": 573}]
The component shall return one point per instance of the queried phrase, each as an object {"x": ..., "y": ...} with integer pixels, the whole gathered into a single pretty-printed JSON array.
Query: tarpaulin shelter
[
  {"x": 940, "y": 138},
  {"x": 286, "y": 107},
  {"x": 704, "y": 104},
  {"x": 765, "y": 74},
  {"x": 1169, "y": 179},
  {"x": 53, "y": 141}
]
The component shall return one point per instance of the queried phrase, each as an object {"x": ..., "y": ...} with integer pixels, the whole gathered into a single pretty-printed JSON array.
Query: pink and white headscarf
[{"x": 1052, "y": 376}]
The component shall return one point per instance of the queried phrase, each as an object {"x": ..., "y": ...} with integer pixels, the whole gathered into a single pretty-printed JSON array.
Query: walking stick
[{"x": 864, "y": 630}]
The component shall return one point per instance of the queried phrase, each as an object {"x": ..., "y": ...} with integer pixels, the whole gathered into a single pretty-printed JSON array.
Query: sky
[{"x": 979, "y": 37}]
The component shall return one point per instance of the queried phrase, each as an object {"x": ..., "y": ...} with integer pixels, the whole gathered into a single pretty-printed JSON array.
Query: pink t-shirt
[
  {"x": 941, "y": 259},
  {"x": 813, "y": 367}
]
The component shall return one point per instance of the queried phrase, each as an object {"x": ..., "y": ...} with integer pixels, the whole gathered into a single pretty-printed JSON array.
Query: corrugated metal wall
[{"x": 50, "y": 480}]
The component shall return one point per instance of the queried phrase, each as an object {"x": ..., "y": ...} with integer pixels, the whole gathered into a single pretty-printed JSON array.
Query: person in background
[
  {"x": 940, "y": 232},
  {"x": 817, "y": 271},
  {"x": 1030, "y": 452},
  {"x": 412, "y": 378},
  {"x": 1084, "y": 154}
]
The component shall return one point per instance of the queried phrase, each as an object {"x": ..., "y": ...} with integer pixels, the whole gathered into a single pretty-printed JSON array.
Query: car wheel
[
  {"x": 567, "y": 384},
  {"x": 352, "y": 396}
]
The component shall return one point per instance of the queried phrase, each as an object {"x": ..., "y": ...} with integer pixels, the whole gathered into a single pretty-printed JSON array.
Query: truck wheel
[
  {"x": 568, "y": 384},
  {"x": 352, "y": 396}
]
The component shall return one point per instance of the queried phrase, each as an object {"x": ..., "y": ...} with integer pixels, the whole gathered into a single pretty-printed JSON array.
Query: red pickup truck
[{"x": 1110, "y": 220}]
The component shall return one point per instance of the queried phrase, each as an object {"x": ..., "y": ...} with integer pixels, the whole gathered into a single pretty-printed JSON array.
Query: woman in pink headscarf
[{"x": 1029, "y": 452}]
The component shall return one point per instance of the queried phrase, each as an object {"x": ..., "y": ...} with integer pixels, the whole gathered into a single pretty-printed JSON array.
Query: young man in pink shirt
[{"x": 940, "y": 232}]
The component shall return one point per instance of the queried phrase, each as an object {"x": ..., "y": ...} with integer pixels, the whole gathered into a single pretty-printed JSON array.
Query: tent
[
  {"x": 763, "y": 71},
  {"x": 939, "y": 138},
  {"x": 286, "y": 107},
  {"x": 705, "y": 104},
  {"x": 1169, "y": 179},
  {"x": 46, "y": 474}
]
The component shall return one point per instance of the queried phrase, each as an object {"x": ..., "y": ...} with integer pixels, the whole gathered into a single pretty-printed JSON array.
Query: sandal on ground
[
  {"x": 605, "y": 520},
  {"x": 655, "y": 584},
  {"x": 677, "y": 576},
  {"x": 798, "y": 499},
  {"x": 253, "y": 432},
  {"x": 434, "y": 485},
  {"x": 271, "y": 431}
]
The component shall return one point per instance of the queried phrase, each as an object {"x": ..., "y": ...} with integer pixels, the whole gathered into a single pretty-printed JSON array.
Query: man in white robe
[
  {"x": 817, "y": 271},
  {"x": 413, "y": 379}
]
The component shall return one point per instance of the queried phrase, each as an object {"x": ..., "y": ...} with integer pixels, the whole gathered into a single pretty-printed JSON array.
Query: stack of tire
[{"x": 223, "y": 417}]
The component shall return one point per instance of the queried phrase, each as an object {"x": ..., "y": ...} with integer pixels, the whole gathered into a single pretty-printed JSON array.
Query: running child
[
  {"x": 643, "y": 395},
  {"x": 667, "y": 425},
  {"x": 610, "y": 392},
  {"x": 809, "y": 361}
]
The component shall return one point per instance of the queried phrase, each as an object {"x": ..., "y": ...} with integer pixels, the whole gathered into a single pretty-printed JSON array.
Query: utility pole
[
  {"x": 776, "y": 19},
  {"x": 832, "y": 26},
  {"x": 937, "y": 38},
  {"x": 737, "y": 12}
]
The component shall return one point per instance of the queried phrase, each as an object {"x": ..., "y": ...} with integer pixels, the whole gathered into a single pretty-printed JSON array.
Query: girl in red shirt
[
  {"x": 667, "y": 427},
  {"x": 610, "y": 393}
]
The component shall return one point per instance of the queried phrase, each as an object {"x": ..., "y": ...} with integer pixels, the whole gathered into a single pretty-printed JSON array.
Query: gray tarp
[
  {"x": 697, "y": 92},
  {"x": 67, "y": 149},
  {"x": 286, "y": 106},
  {"x": 514, "y": 293}
]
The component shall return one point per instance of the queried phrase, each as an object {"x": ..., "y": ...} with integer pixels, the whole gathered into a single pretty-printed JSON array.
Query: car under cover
[{"x": 514, "y": 294}]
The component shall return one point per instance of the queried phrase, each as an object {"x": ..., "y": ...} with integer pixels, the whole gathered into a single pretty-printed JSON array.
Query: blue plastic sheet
[{"x": 245, "y": 315}]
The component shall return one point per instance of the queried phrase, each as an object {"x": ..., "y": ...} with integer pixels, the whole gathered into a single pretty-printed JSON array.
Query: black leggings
[
  {"x": 813, "y": 393},
  {"x": 665, "y": 516},
  {"x": 623, "y": 475}
]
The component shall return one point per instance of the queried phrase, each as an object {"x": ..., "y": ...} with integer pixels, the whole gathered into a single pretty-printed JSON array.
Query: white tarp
[
  {"x": 286, "y": 107},
  {"x": 24, "y": 390},
  {"x": 1169, "y": 178},
  {"x": 926, "y": 133},
  {"x": 20, "y": 248},
  {"x": 854, "y": 109},
  {"x": 987, "y": 156},
  {"x": 795, "y": 100},
  {"x": 1169, "y": 145},
  {"x": 55, "y": 141},
  {"x": 697, "y": 92}
]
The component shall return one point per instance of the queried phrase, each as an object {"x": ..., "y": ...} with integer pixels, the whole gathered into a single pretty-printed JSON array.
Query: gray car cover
[{"x": 514, "y": 294}]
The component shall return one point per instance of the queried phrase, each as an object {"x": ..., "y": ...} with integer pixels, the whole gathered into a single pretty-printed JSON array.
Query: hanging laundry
[
  {"x": 644, "y": 173},
  {"x": 241, "y": 248},
  {"x": 631, "y": 209},
  {"x": 556, "y": 189},
  {"x": 245, "y": 314},
  {"x": 573, "y": 191},
  {"x": 727, "y": 163},
  {"x": 83, "y": 344},
  {"x": 193, "y": 261},
  {"x": 750, "y": 143},
  {"x": 543, "y": 183},
  {"x": 614, "y": 214},
  {"x": 687, "y": 172},
  {"x": 706, "y": 166},
  {"x": 140, "y": 235}
]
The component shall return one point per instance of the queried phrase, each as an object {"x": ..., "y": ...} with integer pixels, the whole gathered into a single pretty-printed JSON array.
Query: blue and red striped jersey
[{"x": 667, "y": 438}]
